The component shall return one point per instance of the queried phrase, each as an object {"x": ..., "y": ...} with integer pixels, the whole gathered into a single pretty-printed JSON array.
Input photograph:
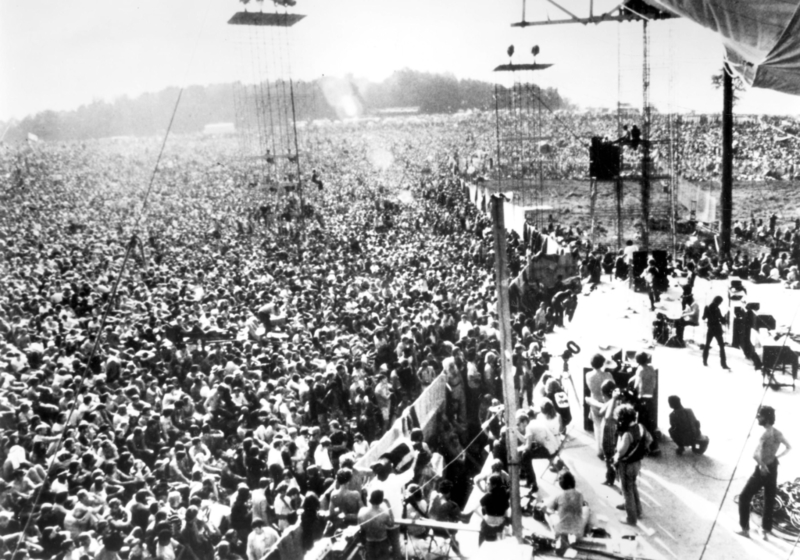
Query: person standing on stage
[
  {"x": 765, "y": 474},
  {"x": 632, "y": 447},
  {"x": 713, "y": 318}
]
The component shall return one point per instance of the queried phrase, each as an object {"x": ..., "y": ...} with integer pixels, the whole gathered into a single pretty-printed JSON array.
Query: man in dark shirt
[
  {"x": 140, "y": 512},
  {"x": 713, "y": 318},
  {"x": 494, "y": 505},
  {"x": 442, "y": 508}
]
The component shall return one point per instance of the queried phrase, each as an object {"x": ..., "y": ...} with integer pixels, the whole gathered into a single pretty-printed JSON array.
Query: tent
[{"x": 761, "y": 38}]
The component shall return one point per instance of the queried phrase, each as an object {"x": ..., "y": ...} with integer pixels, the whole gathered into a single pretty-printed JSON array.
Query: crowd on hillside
[{"x": 763, "y": 150}]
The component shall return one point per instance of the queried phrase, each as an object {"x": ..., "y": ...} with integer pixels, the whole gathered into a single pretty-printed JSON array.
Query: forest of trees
[{"x": 150, "y": 113}]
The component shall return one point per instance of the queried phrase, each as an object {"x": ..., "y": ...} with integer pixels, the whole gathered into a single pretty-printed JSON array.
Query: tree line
[{"x": 150, "y": 113}]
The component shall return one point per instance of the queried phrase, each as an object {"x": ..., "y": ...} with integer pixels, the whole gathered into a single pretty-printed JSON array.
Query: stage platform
[{"x": 681, "y": 494}]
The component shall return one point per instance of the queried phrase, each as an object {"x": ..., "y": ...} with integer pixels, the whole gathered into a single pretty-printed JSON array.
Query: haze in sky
[{"x": 59, "y": 55}]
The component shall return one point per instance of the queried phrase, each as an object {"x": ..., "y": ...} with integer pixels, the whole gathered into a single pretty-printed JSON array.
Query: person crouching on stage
[{"x": 685, "y": 428}]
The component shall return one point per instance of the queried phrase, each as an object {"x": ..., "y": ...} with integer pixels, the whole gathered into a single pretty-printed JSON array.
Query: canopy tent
[{"x": 762, "y": 38}]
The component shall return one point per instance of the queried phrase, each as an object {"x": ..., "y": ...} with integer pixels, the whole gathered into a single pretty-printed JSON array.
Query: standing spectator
[{"x": 376, "y": 520}]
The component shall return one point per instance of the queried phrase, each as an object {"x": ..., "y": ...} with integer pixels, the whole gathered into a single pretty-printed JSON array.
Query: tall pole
[
  {"x": 507, "y": 371},
  {"x": 645, "y": 139},
  {"x": 726, "y": 197}
]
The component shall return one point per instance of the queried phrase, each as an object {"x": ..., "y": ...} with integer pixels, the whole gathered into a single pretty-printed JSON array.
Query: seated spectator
[
  {"x": 567, "y": 513},
  {"x": 495, "y": 504}
]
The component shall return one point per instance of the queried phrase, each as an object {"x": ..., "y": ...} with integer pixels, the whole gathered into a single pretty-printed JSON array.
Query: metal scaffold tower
[
  {"x": 637, "y": 142},
  {"x": 524, "y": 156},
  {"x": 266, "y": 122}
]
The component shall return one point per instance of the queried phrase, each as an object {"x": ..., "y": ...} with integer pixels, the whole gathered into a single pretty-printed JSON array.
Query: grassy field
[{"x": 571, "y": 203}]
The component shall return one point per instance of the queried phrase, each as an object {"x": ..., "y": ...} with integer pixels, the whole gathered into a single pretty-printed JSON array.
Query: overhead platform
[
  {"x": 521, "y": 67},
  {"x": 629, "y": 10},
  {"x": 265, "y": 19}
]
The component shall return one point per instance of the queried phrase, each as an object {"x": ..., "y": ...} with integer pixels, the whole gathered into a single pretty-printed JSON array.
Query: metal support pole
[
  {"x": 726, "y": 197},
  {"x": 592, "y": 203},
  {"x": 507, "y": 370},
  {"x": 645, "y": 245}
]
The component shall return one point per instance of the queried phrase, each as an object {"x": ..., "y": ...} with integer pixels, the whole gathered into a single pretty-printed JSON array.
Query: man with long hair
[{"x": 765, "y": 474}]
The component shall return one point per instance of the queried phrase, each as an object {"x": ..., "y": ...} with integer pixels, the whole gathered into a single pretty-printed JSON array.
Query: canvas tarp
[{"x": 761, "y": 38}]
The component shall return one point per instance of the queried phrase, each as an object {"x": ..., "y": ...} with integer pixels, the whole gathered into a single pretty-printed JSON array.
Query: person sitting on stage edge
[
  {"x": 567, "y": 513},
  {"x": 443, "y": 508},
  {"x": 684, "y": 428},
  {"x": 494, "y": 509}
]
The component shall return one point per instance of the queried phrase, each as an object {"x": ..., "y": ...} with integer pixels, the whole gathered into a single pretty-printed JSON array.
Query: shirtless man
[{"x": 766, "y": 473}]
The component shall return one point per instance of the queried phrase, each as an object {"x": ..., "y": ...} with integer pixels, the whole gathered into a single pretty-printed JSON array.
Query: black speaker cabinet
[
  {"x": 639, "y": 262},
  {"x": 603, "y": 160},
  {"x": 661, "y": 259}
]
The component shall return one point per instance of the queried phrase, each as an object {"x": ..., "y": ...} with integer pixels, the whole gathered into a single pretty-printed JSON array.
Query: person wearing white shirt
[
  {"x": 261, "y": 540},
  {"x": 322, "y": 457}
]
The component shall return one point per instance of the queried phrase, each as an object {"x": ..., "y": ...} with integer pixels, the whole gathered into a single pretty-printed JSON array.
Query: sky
[{"x": 60, "y": 55}]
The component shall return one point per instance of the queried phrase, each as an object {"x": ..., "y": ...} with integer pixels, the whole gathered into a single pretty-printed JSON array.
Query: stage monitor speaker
[
  {"x": 764, "y": 321},
  {"x": 639, "y": 262},
  {"x": 603, "y": 160},
  {"x": 660, "y": 257}
]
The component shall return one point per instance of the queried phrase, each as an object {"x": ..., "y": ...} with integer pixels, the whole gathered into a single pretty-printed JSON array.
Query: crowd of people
[
  {"x": 182, "y": 375},
  {"x": 764, "y": 149}
]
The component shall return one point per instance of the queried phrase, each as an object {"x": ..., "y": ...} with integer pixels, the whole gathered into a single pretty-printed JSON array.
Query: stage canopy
[{"x": 761, "y": 37}]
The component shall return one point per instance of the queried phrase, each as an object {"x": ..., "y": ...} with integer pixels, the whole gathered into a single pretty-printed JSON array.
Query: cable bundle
[{"x": 786, "y": 517}]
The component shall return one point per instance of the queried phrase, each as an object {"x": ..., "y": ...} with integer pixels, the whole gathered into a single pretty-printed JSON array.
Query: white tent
[{"x": 761, "y": 37}]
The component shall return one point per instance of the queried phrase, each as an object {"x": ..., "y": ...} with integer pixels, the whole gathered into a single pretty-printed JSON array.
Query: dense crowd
[
  {"x": 224, "y": 384},
  {"x": 763, "y": 150}
]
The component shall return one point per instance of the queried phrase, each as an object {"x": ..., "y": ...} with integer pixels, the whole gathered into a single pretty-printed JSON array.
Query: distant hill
[{"x": 150, "y": 113}]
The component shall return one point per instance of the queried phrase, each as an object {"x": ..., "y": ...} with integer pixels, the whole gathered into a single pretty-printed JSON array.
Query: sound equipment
[
  {"x": 739, "y": 329},
  {"x": 774, "y": 356},
  {"x": 660, "y": 257},
  {"x": 603, "y": 160},
  {"x": 639, "y": 262},
  {"x": 753, "y": 306},
  {"x": 764, "y": 321}
]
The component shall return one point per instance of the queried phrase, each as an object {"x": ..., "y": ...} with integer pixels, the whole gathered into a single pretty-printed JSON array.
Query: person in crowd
[
  {"x": 684, "y": 428},
  {"x": 261, "y": 540},
  {"x": 494, "y": 509},
  {"x": 415, "y": 507},
  {"x": 443, "y": 508},
  {"x": 765, "y": 475},
  {"x": 376, "y": 520},
  {"x": 632, "y": 447}
]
